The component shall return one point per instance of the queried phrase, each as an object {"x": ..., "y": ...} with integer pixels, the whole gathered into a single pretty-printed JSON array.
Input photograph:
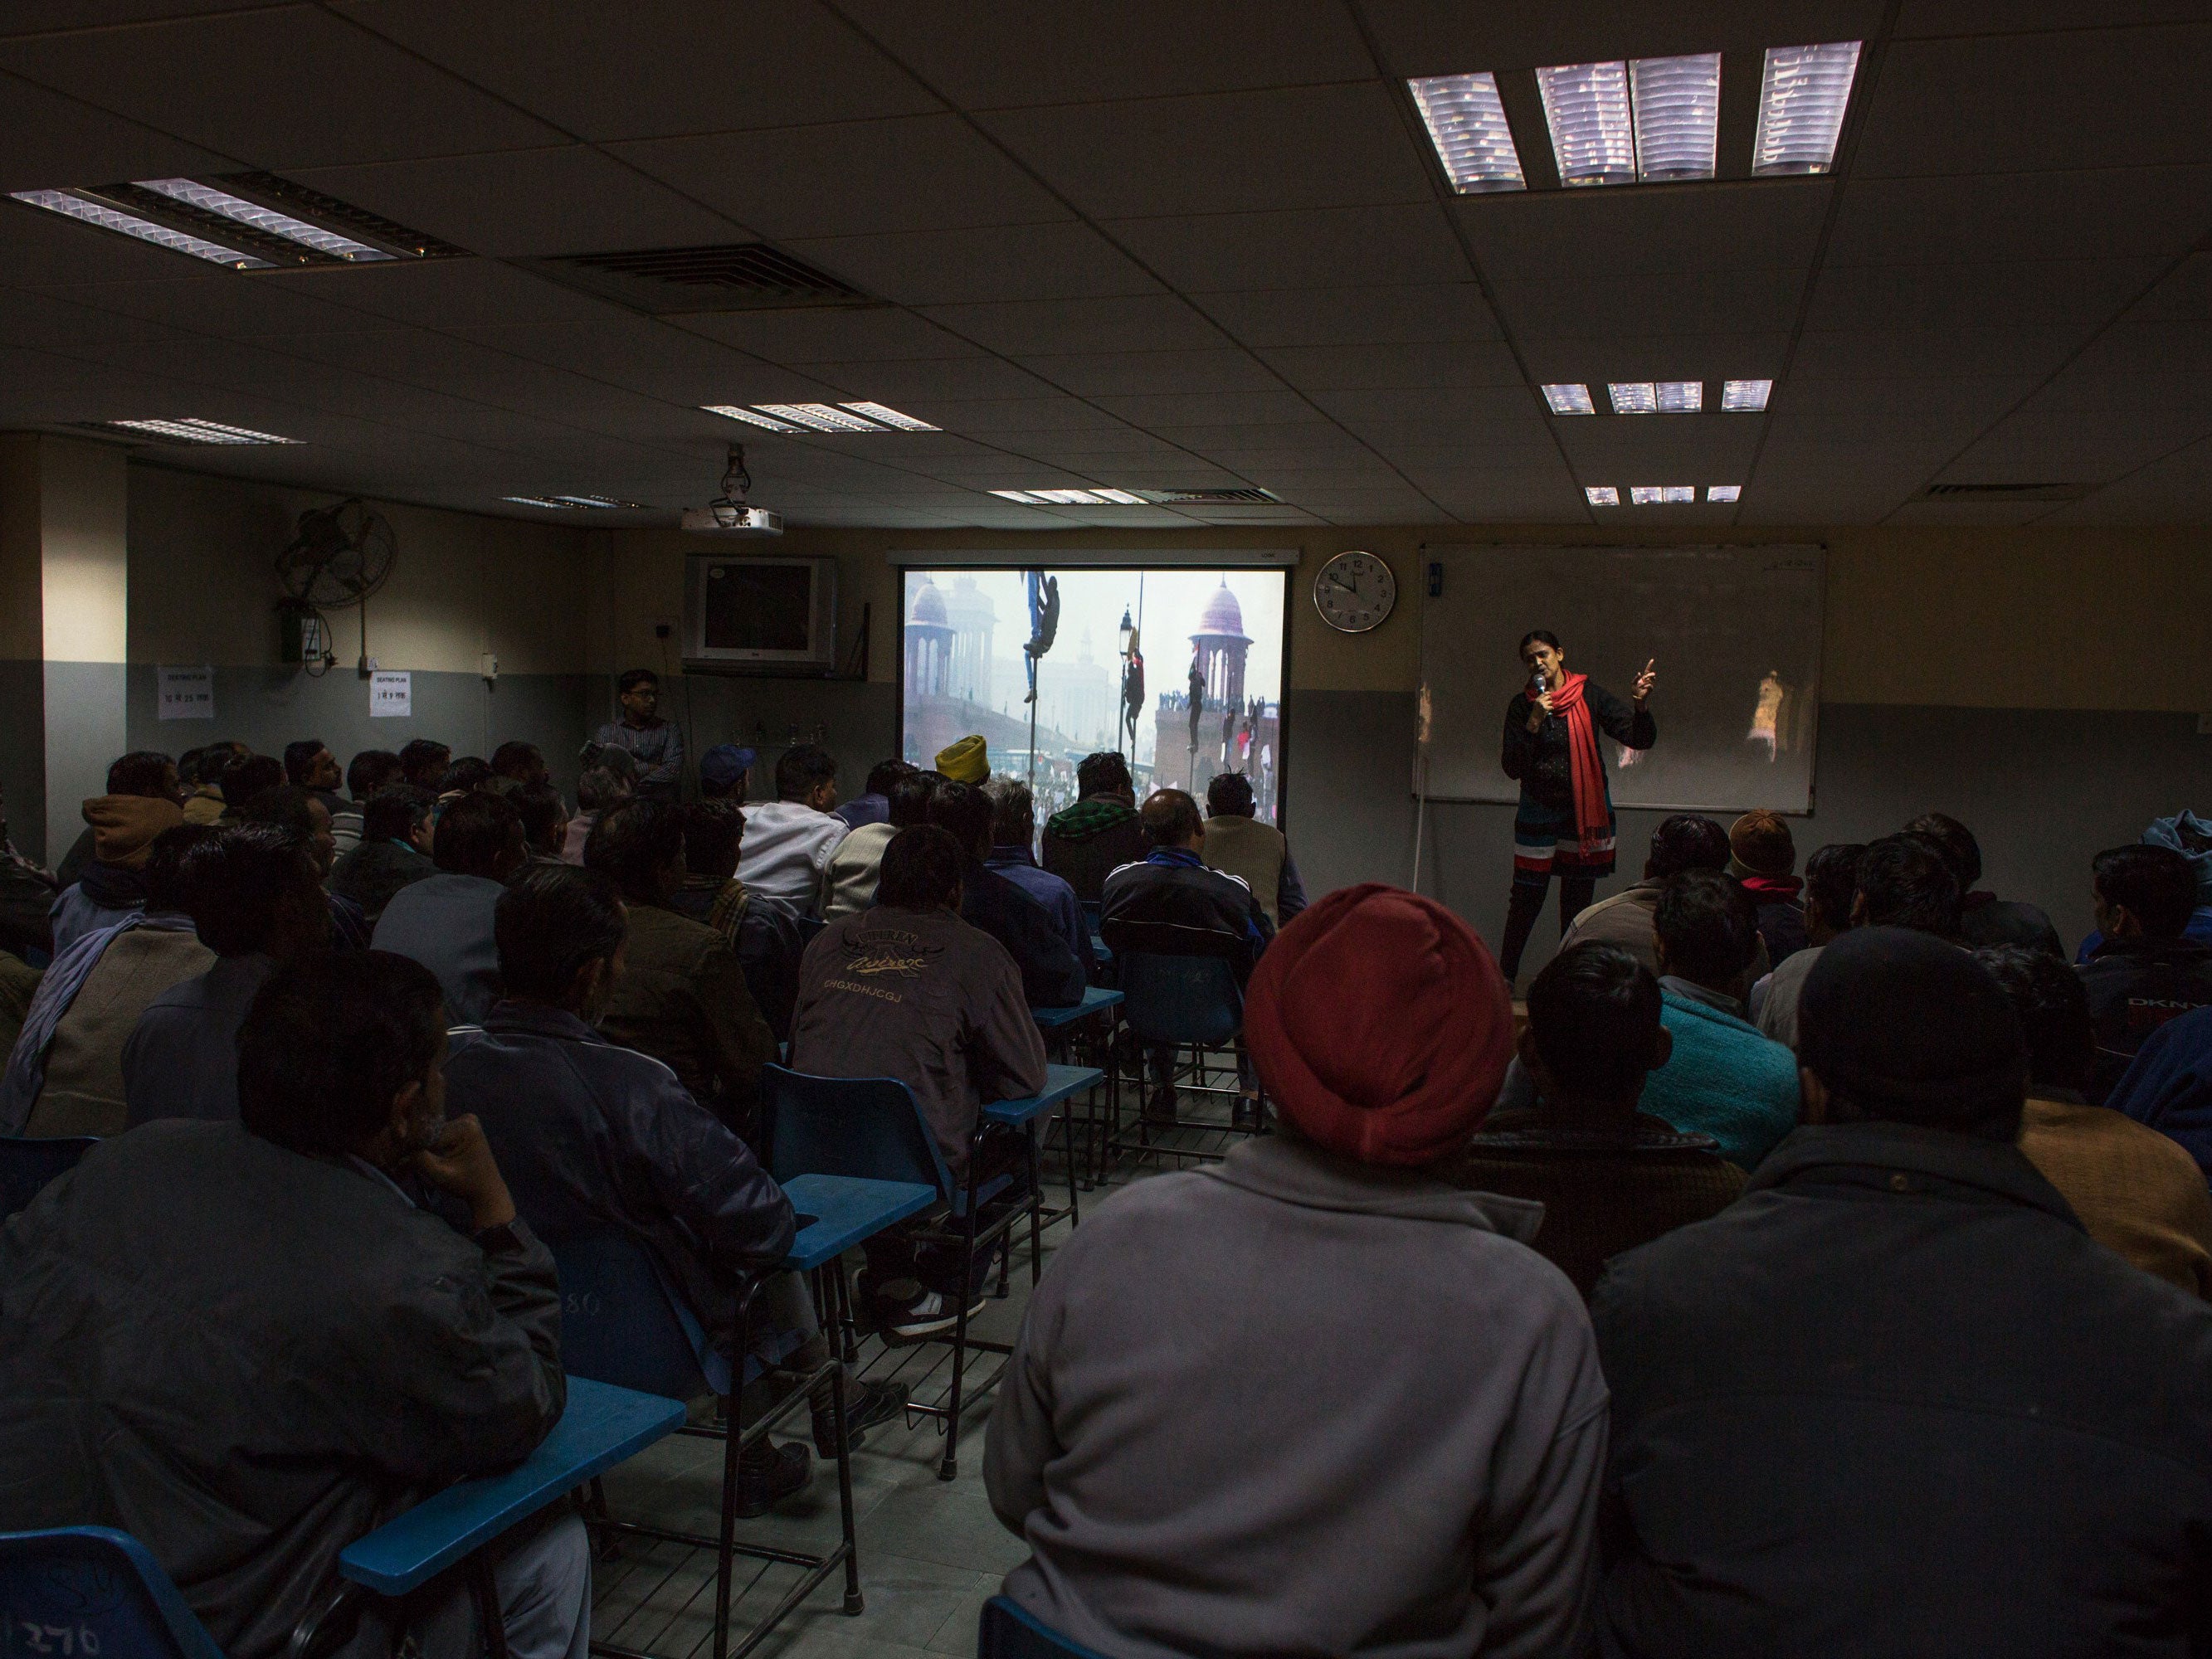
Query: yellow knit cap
[{"x": 966, "y": 761}]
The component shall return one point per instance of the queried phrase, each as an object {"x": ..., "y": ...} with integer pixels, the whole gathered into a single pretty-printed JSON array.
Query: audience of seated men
[
  {"x": 1315, "y": 1399},
  {"x": 396, "y": 833},
  {"x": 682, "y": 996},
  {"x": 1895, "y": 1399},
  {"x": 906, "y": 989},
  {"x": 423, "y": 763},
  {"x": 1763, "y": 856},
  {"x": 256, "y": 901},
  {"x": 444, "y": 921},
  {"x": 768, "y": 934},
  {"x": 1053, "y": 975},
  {"x": 1685, "y": 841},
  {"x": 602, "y": 789},
  {"x": 65, "y": 1071},
  {"x": 1085, "y": 843},
  {"x": 2168, "y": 1086},
  {"x": 143, "y": 798},
  {"x": 1013, "y": 833},
  {"x": 724, "y": 771},
  {"x": 873, "y": 804},
  {"x": 300, "y": 814},
  {"x": 1983, "y": 917},
  {"x": 1831, "y": 884},
  {"x": 520, "y": 763},
  {"x": 593, "y": 1137},
  {"x": 2136, "y": 1192},
  {"x": 1608, "y": 1176},
  {"x": 2145, "y": 973},
  {"x": 849, "y": 880},
  {"x": 243, "y": 1343},
  {"x": 367, "y": 773},
  {"x": 1900, "y": 881},
  {"x": 309, "y": 765},
  {"x": 248, "y": 775},
  {"x": 1256, "y": 853},
  {"x": 199, "y": 773},
  {"x": 788, "y": 840},
  {"x": 544, "y": 817},
  {"x": 2189, "y": 835}
]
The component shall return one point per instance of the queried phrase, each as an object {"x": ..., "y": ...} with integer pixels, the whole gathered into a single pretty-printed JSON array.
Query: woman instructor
[{"x": 1565, "y": 821}]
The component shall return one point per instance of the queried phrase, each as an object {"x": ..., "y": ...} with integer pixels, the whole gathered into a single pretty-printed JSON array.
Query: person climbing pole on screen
[{"x": 1565, "y": 821}]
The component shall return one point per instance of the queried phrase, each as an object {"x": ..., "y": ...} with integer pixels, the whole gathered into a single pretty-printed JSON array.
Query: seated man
[
  {"x": 1255, "y": 853},
  {"x": 1085, "y": 843},
  {"x": 873, "y": 804},
  {"x": 396, "y": 833},
  {"x": 2168, "y": 1086},
  {"x": 1901, "y": 881},
  {"x": 367, "y": 773},
  {"x": 257, "y": 903},
  {"x": 723, "y": 771},
  {"x": 2136, "y": 1191},
  {"x": 1983, "y": 917},
  {"x": 309, "y": 765},
  {"x": 1832, "y": 883},
  {"x": 682, "y": 996},
  {"x": 1013, "y": 828},
  {"x": 423, "y": 763},
  {"x": 1685, "y": 841},
  {"x": 655, "y": 745},
  {"x": 1314, "y": 1398},
  {"x": 591, "y": 1137},
  {"x": 1053, "y": 975},
  {"x": 1722, "y": 1078},
  {"x": 849, "y": 880},
  {"x": 768, "y": 934},
  {"x": 1762, "y": 856},
  {"x": 520, "y": 763},
  {"x": 600, "y": 790},
  {"x": 300, "y": 814},
  {"x": 1894, "y": 1400},
  {"x": 906, "y": 989},
  {"x": 1609, "y": 1176},
  {"x": 445, "y": 921},
  {"x": 2187, "y": 835},
  {"x": 246, "y": 776},
  {"x": 2145, "y": 973},
  {"x": 544, "y": 817},
  {"x": 64, "y": 1074},
  {"x": 242, "y": 1344},
  {"x": 788, "y": 840},
  {"x": 143, "y": 800}
]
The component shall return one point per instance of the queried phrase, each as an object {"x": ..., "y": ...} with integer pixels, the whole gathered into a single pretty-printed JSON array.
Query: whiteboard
[{"x": 1736, "y": 631}]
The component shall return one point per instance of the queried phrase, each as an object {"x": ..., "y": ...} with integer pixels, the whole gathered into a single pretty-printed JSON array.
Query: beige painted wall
[
  {"x": 1964, "y": 617},
  {"x": 204, "y": 588},
  {"x": 23, "y": 635},
  {"x": 61, "y": 563}
]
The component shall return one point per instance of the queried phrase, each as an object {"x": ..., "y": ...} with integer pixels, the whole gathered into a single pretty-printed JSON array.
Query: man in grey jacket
[
  {"x": 243, "y": 1343},
  {"x": 1313, "y": 1399}
]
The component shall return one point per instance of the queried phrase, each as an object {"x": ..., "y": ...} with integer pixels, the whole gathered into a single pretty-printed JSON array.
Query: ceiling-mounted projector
[{"x": 729, "y": 514}]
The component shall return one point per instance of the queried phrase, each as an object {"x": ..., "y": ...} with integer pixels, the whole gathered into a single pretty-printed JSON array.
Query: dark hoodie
[{"x": 1096, "y": 835}]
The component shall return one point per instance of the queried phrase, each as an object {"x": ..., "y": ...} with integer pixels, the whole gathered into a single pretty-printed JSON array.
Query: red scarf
[{"x": 1585, "y": 768}]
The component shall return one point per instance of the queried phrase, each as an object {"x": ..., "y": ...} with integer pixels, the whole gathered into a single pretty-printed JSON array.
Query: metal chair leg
[
  {"x": 949, "y": 1467},
  {"x": 488, "y": 1612}
]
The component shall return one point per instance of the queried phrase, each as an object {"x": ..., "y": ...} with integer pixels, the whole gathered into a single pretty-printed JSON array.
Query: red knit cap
[{"x": 1380, "y": 1026}]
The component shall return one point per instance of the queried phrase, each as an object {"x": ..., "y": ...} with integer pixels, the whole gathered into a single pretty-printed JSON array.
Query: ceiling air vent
[
  {"x": 732, "y": 277},
  {"x": 2006, "y": 492},
  {"x": 1210, "y": 497}
]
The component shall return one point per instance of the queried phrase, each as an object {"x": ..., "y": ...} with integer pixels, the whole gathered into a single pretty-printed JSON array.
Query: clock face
[{"x": 1355, "y": 591}]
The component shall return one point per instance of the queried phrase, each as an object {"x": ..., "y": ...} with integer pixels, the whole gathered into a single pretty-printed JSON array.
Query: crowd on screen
[{"x": 1814, "y": 1258}]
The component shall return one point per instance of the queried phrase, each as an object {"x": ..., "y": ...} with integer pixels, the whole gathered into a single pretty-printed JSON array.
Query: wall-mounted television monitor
[{"x": 744, "y": 613}]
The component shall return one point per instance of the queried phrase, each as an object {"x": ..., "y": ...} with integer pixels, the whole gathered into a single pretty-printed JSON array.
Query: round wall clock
[{"x": 1354, "y": 592}]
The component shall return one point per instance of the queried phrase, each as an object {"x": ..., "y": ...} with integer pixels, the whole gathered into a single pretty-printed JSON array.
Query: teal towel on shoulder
[{"x": 1723, "y": 1079}]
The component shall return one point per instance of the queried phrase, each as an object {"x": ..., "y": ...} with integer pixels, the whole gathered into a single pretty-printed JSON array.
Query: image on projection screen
[{"x": 1181, "y": 670}]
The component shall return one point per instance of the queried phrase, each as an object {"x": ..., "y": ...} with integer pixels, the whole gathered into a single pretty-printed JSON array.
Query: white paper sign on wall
[
  {"x": 391, "y": 694},
  {"x": 187, "y": 694}
]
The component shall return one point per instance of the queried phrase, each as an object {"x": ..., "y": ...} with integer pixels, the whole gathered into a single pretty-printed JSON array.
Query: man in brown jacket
[
  {"x": 1686, "y": 841},
  {"x": 682, "y": 997}
]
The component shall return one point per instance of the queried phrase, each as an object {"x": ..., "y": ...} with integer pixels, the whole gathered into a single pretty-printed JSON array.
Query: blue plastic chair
[
  {"x": 620, "y": 1323},
  {"x": 1007, "y": 1630},
  {"x": 1181, "y": 988},
  {"x": 94, "y": 1593},
  {"x": 27, "y": 1166}
]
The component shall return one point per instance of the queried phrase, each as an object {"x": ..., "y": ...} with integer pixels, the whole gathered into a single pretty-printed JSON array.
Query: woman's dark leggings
[{"x": 1525, "y": 903}]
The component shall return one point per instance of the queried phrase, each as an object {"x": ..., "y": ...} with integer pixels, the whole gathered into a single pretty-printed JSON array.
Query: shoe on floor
[
  {"x": 866, "y": 1404},
  {"x": 1160, "y": 1105},
  {"x": 930, "y": 1314},
  {"x": 768, "y": 1474}
]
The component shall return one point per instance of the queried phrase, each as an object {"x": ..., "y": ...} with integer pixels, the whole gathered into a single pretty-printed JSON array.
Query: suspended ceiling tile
[
  {"x": 1461, "y": 363},
  {"x": 2109, "y": 213},
  {"x": 1596, "y": 359},
  {"x": 1106, "y": 376},
  {"x": 1060, "y": 260},
  {"x": 930, "y": 389},
  {"x": 2046, "y": 294},
  {"x": 1137, "y": 323},
  {"x": 1588, "y": 234},
  {"x": 1859, "y": 353},
  {"x": 1391, "y": 314},
  {"x": 828, "y": 334},
  {"x": 1318, "y": 247},
  {"x": 1421, "y": 38},
  {"x": 447, "y": 294},
  {"x": 1755, "y": 300}
]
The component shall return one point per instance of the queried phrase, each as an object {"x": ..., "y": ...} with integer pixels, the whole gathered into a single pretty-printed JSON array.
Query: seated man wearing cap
[
  {"x": 1385, "y": 1440},
  {"x": 788, "y": 840},
  {"x": 723, "y": 771},
  {"x": 1895, "y": 1400},
  {"x": 968, "y": 761}
]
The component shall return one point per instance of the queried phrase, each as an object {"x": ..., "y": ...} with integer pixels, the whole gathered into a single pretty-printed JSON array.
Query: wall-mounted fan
[{"x": 337, "y": 557}]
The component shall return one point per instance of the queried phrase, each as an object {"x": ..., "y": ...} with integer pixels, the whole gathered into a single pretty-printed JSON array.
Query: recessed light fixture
[
  {"x": 1073, "y": 497},
  {"x": 571, "y": 503},
  {"x": 1467, "y": 124},
  {"x": 1677, "y": 495},
  {"x": 1633, "y": 396},
  {"x": 1602, "y": 494},
  {"x": 1651, "y": 121},
  {"x": 1723, "y": 492},
  {"x": 145, "y": 230},
  {"x": 818, "y": 418},
  {"x": 1681, "y": 396},
  {"x": 1745, "y": 397},
  {"x": 890, "y": 417},
  {"x": 751, "y": 417},
  {"x": 1571, "y": 398},
  {"x": 1803, "y": 96},
  {"x": 209, "y": 199},
  {"x": 1593, "y": 135},
  {"x": 193, "y": 430}
]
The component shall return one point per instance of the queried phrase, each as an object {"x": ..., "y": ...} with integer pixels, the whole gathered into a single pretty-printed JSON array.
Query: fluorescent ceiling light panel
[
  {"x": 1069, "y": 497},
  {"x": 1681, "y": 396},
  {"x": 596, "y": 501},
  {"x": 1593, "y": 135},
  {"x": 892, "y": 417},
  {"x": 731, "y": 411},
  {"x": 1602, "y": 494},
  {"x": 1123, "y": 498},
  {"x": 198, "y": 431},
  {"x": 1467, "y": 124},
  {"x": 1802, "y": 99},
  {"x": 819, "y": 417},
  {"x": 1633, "y": 396},
  {"x": 1677, "y": 106},
  {"x": 1572, "y": 399},
  {"x": 1021, "y": 495},
  {"x": 1723, "y": 492},
  {"x": 129, "y": 224},
  {"x": 1745, "y": 397},
  {"x": 1678, "y": 495},
  {"x": 539, "y": 500},
  {"x": 209, "y": 199},
  {"x": 1643, "y": 495}
]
